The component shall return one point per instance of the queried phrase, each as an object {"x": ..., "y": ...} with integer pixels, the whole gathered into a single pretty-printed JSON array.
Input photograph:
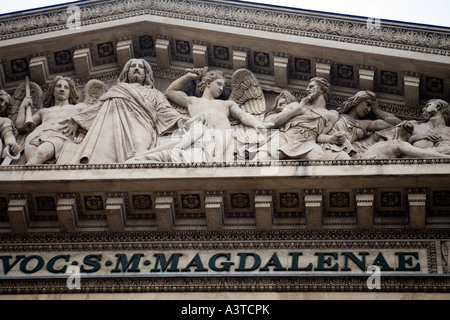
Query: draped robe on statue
[
  {"x": 298, "y": 136},
  {"x": 354, "y": 133},
  {"x": 126, "y": 120}
]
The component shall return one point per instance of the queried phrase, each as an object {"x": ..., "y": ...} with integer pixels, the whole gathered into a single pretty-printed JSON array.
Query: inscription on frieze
[{"x": 209, "y": 263}]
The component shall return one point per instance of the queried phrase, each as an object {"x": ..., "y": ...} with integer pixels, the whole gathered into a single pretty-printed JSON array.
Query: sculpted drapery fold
[
  {"x": 133, "y": 122},
  {"x": 126, "y": 121}
]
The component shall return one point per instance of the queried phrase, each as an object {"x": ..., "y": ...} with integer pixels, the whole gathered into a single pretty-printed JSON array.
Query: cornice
[
  {"x": 249, "y": 164},
  {"x": 225, "y": 239},
  {"x": 341, "y": 28},
  {"x": 409, "y": 284}
]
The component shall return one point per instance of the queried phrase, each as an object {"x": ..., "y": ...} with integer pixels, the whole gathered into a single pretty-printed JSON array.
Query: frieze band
[
  {"x": 226, "y": 14},
  {"x": 273, "y": 150},
  {"x": 198, "y": 127}
]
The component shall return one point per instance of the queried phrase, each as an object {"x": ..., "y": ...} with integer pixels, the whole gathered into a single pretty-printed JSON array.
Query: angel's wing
[
  {"x": 93, "y": 90},
  {"x": 12, "y": 112},
  {"x": 247, "y": 93},
  {"x": 20, "y": 93}
]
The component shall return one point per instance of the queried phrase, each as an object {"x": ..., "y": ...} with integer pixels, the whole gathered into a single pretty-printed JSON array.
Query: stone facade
[{"x": 389, "y": 211}]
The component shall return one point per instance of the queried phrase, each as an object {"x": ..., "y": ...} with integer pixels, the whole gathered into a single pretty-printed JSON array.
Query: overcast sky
[{"x": 432, "y": 12}]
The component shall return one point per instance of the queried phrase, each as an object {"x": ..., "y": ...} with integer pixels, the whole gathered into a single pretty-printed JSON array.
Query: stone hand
[
  {"x": 78, "y": 139},
  {"x": 407, "y": 126},
  {"x": 69, "y": 128},
  {"x": 27, "y": 102},
  {"x": 432, "y": 136},
  {"x": 199, "y": 72},
  {"x": 15, "y": 148},
  {"x": 263, "y": 125},
  {"x": 375, "y": 106},
  {"x": 338, "y": 138},
  {"x": 181, "y": 123}
]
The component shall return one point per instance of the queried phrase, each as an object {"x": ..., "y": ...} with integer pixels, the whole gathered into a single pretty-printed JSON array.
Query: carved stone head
[
  {"x": 135, "y": 67},
  {"x": 321, "y": 85},
  {"x": 5, "y": 100},
  {"x": 435, "y": 106},
  {"x": 210, "y": 77},
  {"x": 367, "y": 96},
  {"x": 49, "y": 97},
  {"x": 283, "y": 99}
]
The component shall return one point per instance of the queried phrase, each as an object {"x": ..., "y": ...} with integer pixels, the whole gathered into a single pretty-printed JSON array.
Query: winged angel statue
[
  {"x": 248, "y": 94},
  {"x": 92, "y": 91},
  {"x": 217, "y": 128},
  {"x": 27, "y": 93},
  {"x": 38, "y": 116}
]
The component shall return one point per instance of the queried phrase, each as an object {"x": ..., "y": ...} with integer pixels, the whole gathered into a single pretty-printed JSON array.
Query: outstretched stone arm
[
  {"x": 386, "y": 116},
  {"x": 290, "y": 111},
  {"x": 335, "y": 138},
  {"x": 428, "y": 135},
  {"x": 72, "y": 130},
  {"x": 175, "y": 90},
  {"x": 21, "y": 114},
  {"x": 246, "y": 118},
  {"x": 8, "y": 132}
]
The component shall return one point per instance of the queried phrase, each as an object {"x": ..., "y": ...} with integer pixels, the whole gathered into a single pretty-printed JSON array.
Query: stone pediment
[
  {"x": 238, "y": 177},
  {"x": 404, "y": 64},
  {"x": 284, "y": 47}
]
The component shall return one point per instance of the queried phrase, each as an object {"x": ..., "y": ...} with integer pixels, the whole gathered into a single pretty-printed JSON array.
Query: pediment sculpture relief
[
  {"x": 133, "y": 122},
  {"x": 210, "y": 136},
  {"x": 126, "y": 120}
]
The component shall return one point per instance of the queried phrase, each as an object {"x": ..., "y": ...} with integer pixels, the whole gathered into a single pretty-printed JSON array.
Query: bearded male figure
[
  {"x": 126, "y": 120},
  {"x": 304, "y": 124},
  {"x": 435, "y": 132}
]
